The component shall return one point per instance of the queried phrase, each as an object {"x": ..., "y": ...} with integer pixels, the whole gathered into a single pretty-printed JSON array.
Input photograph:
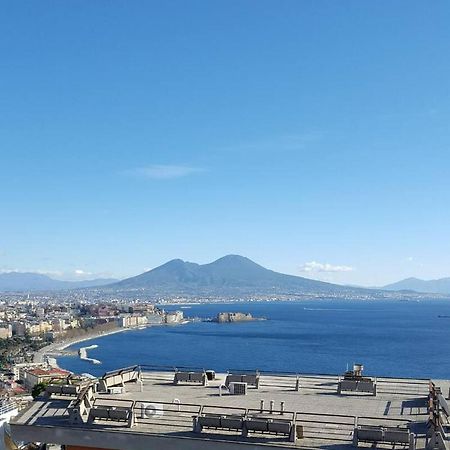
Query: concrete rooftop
[{"x": 327, "y": 418}]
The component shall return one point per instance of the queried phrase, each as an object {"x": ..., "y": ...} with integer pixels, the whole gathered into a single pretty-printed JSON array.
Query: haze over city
[{"x": 310, "y": 138}]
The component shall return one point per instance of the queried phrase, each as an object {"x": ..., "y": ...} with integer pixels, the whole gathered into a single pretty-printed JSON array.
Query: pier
[{"x": 82, "y": 352}]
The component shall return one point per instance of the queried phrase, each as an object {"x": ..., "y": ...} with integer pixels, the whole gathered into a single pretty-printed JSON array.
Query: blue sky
[{"x": 311, "y": 136}]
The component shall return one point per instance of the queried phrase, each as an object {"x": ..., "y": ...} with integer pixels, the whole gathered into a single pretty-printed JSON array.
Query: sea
[{"x": 390, "y": 338}]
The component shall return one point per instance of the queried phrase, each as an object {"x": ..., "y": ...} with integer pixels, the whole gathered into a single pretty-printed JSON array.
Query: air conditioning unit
[
  {"x": 116, "y": 390},
  {"x": 238, "y": 388}
]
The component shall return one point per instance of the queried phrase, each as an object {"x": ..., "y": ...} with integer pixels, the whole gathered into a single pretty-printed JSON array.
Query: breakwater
[{"x": 82, "y": 353}]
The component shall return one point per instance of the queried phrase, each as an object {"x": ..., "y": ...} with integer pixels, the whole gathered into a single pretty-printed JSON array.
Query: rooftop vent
[{"x": 357, "y": 369}]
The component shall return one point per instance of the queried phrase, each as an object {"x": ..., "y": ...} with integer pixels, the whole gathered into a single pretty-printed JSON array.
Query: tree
[{"x": 38, "y": 389}]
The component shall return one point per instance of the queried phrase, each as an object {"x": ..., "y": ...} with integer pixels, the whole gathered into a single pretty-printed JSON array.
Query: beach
[{"x": 50, "y": 352}]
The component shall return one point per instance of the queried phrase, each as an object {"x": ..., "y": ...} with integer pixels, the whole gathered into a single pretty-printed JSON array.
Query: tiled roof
[{"x": 48, "y": 372}]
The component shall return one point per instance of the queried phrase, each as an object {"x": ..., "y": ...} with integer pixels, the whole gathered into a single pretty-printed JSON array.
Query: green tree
[{"x": 38, "y": 389}]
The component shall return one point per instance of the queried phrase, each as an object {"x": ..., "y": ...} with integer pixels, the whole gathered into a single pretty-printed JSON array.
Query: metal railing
[
  {"x": 7, "y": 407},
  {"x": 169, "y": 368},
  {"x": 172, "y": 417}
]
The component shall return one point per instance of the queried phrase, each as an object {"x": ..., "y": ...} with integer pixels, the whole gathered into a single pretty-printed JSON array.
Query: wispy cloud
[
  {"x": 164, "y": 172},
  {"x": 39, "y": 271},
  {"x": 8, "y": 270},
  {"x": 65, "y": 275},
  {"x": 317, "y": 267},
  {"x": 81, "y": 273}
]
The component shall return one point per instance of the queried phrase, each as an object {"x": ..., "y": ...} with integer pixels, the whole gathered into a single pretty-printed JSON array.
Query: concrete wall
[
  {"x": 107, "y": 439},
  {"x": 77, "y": 447}
]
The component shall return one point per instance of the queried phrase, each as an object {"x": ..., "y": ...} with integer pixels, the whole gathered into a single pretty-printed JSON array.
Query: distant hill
[
  {"x": 231, "y": 274},
  {"x": 28, "y": 281},
  {"x": 440, "y": 286}
]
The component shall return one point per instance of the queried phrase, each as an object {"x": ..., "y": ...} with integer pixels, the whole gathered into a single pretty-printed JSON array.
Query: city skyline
[{"x": 310, "y": 138}]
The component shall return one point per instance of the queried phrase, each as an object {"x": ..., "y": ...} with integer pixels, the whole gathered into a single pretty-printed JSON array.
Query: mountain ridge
[
  {"x": 437, "y": 286},
  {"x": 228, "y": 274},
  {"x": 31, "y": 281}
]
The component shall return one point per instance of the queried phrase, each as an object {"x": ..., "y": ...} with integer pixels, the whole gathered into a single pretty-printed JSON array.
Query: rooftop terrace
[{"x": 284, "y": 411}]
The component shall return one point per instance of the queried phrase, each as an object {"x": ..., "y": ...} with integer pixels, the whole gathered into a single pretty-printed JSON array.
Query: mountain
[
  {"x": 440, "y": 286},
  {"x": 28, "y": 281},
  {"x": 96, "y": 282},
  {"x": 231, "y": 274}
]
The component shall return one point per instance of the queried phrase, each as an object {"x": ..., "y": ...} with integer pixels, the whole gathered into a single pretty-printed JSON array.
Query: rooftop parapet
[{"x": 152, "y": 411}]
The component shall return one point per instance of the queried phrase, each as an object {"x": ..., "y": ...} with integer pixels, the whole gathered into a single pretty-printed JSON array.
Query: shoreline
[{"x": 51, "y": 352}]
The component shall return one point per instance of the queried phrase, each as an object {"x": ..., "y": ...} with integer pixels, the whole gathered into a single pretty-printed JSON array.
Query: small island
[{"x": 229, "y": 317}]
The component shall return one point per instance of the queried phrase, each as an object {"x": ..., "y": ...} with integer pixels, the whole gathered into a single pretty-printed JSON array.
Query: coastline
[
  {"x": 296, "y": 319},
  {"x": 50, "y": 352}
]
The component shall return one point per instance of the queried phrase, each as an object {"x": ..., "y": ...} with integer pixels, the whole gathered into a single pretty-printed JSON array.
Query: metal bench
[
  {"x": 245, "y": 424},
  {"x": 63, "y": 389},
  {"x": 283, "y": 427},
  {"x": 278, "y": 426},
  {"x": 218, "y": 421},
  {"x": 190, "y": 377},
  {"x": 266, "y": 425},
  {"x": 113, "y": 413},
  {"x": 119, "y": 377},
  {"x": 365, "y": 385},
  {"x": 380, "y": 434},
  {"x": 251, "y": 379},
  {"x": 260, "y": 425}
]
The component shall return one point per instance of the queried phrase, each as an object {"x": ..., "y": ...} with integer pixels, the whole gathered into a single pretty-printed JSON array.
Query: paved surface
[{"x": 326, "y": 417}]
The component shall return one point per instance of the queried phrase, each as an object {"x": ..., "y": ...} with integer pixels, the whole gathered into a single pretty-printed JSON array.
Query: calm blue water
[{"x": 391, "y": 338}]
